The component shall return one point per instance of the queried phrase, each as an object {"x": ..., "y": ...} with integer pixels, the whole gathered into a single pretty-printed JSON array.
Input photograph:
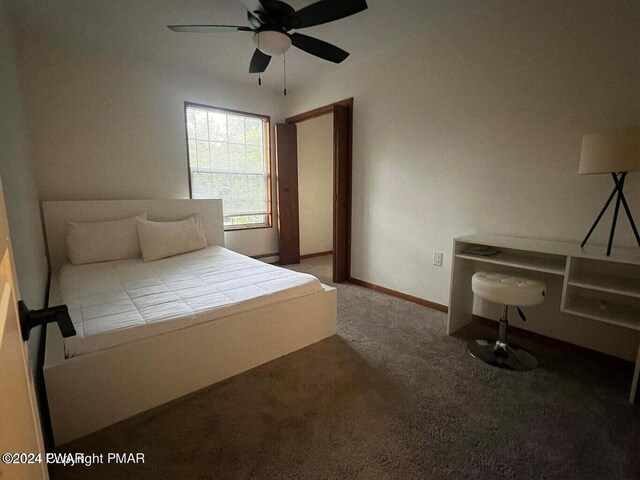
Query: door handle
[{"x": 33, "y": 318}]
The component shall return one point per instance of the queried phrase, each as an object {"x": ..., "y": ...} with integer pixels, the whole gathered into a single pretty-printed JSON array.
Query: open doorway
[
  {"x": 315, "y": 186},
  {"x": 314, "y": 204}
]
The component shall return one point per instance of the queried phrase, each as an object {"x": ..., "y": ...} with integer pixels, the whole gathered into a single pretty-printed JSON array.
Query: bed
[{"x": 151, "y": 332}]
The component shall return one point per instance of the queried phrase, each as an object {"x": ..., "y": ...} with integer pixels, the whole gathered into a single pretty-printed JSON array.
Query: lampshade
[
  {"x": 271, "y": 42},
  {"x": 608, "y": 151}
]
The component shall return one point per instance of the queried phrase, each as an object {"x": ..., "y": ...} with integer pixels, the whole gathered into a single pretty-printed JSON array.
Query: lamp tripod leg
[
  {"x": 604, "y": 209},
  {"x": 630, "y": 217},
  {"x": 619, "y": 187},
  {"x": 633, "y": 224}
]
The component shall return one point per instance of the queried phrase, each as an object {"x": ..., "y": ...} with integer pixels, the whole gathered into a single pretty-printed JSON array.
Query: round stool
[{"x": 506, "y": 290}]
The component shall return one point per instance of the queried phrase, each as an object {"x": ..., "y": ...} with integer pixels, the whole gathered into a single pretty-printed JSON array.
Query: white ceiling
[{"x": 136, "y": 29}]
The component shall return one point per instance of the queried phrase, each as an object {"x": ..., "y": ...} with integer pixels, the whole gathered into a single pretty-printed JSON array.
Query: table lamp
[{"x": 616, "y": 152}]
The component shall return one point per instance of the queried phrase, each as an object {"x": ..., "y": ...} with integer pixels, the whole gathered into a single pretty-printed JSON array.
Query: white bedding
[{"x": 121, "y": 301}]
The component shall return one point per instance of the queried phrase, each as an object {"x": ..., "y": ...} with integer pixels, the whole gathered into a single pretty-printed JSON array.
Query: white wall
[
  {"x": 477, "y": 127},
  {"x": 21, "y": 199},
  {"x": 102, "y": 127},
  {"x": 315, "y": 184}
]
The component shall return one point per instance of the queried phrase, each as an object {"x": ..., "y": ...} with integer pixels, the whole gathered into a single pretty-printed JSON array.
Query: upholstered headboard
[{"x": 57, "y": 214}]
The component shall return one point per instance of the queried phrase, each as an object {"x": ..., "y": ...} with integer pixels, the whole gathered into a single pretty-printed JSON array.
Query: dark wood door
[
  {"x": 287, "y": 180},
  {"x": 342, "y": 194}
]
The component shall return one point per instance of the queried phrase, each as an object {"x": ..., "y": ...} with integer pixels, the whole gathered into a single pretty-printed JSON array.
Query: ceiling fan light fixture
[{"x": 271, "y": 42}]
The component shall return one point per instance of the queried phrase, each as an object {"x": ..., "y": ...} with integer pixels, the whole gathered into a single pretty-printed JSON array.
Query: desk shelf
[
  {"x": 606, "y": 283},
  {"x": 603, "y": 291},
  {"x": 608, "y": 312},
  {"x": 554, "y": 265}
]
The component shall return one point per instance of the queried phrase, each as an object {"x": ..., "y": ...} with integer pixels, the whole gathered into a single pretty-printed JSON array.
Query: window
[{"x": 229, "y": 159}]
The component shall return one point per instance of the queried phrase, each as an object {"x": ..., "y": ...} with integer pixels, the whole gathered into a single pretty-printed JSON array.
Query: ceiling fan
[{"x": 272, "y": 20}]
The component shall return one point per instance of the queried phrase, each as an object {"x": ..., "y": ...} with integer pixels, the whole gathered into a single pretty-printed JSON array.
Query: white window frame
[{"x": 266, "y": 125}]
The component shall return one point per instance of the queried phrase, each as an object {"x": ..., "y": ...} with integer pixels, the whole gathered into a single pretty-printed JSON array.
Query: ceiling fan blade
[
  {"x": 259, "y": 62},
  {"x": 253, "y": 20},
  {"x": 255, "y": 8},
  {"x": 318, "y": 48},
  {"x": 208, "y": 28},
  {"x": 326, "y": 11}
]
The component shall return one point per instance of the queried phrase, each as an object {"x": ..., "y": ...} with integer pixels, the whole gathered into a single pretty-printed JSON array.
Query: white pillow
[
  {"x": 165, "y": 239},
  {"x": 103, "y": 241}
]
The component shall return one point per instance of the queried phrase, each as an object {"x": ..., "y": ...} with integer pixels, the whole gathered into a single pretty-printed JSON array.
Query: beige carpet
[{"x": 391, "y": 396}]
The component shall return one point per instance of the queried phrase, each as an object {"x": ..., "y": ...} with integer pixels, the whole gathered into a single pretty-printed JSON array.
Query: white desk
[{"x": 592, "y": 300}]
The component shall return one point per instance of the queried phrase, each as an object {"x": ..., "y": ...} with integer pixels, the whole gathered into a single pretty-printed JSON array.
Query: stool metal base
[{"x": 502, "y": 355}]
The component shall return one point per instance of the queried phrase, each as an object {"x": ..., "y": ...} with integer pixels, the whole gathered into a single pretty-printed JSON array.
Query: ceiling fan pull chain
[{"x": 284, "y": 57}]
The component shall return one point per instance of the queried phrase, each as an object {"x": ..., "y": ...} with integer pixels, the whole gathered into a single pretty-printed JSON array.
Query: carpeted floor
[{"x": 391, "y": 396}]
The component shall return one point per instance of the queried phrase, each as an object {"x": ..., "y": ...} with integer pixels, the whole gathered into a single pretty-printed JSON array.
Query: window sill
[{"x": 245, "y": 227}]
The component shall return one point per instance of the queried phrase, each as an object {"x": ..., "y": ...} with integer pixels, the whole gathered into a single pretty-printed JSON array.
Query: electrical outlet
[{"x": 437, "y": 259}]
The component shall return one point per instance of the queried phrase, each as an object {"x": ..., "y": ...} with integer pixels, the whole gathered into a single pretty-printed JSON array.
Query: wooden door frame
[{"x": 338, "y": 194}]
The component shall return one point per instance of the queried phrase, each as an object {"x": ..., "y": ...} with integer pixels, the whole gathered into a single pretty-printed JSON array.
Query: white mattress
[{"x": 117, "y": 302}]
